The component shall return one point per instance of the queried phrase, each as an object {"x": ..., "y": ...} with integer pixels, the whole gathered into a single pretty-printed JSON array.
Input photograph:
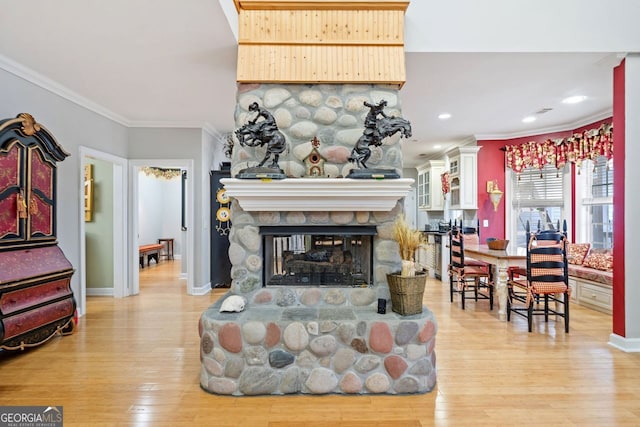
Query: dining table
[{"x": 502, "y": 260}]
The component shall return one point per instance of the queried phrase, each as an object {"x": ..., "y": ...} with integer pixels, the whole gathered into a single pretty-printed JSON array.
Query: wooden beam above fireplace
[{"x": 321, "y": 42}]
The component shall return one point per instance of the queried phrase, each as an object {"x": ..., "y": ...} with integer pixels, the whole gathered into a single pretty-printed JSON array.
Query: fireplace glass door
[{"x": 327, "y": 256}]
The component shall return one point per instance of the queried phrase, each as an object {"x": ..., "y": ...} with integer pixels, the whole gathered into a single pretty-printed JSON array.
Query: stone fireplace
[
  {"x": 317, "y": 256},
  {"x": 311, "y": 323},
  {"x": 317, "y": 337},
  {"x": 310, "y": 252}
]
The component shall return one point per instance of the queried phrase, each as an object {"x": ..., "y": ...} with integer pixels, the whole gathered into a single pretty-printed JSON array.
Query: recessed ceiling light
[
  {"x": 574, "y": 99},
  {"x": 444, "y": 116},
  {"x": 529, "y": 119},
  {"x": 437, "y": 146}
]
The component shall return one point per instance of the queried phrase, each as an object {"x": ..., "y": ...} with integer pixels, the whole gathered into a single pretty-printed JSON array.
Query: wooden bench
[{"x": 149, "y": 252}]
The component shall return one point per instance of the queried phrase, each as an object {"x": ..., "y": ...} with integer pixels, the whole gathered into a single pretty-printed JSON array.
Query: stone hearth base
[{"x": 316, "y": 341}]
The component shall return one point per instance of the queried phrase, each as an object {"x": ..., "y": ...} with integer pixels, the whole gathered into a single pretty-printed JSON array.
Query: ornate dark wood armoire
[{"x": 36, "y": 301}]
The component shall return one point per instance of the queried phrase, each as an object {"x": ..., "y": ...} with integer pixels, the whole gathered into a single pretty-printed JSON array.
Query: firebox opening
[{"x": 318, "y": 256}]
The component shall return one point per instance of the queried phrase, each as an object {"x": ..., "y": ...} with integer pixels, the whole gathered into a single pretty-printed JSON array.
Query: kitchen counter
[
  {"x": 442, "y": 233},
  {"x": 436, "y": 253}
]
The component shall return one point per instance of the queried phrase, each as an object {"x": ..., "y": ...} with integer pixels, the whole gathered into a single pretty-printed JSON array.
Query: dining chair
[
  {"x": 471, "y": 235},
  {"x": 467, "y": 277},
  {"x": 546, "y": 281},
  {"x": 515, "y": 271}
]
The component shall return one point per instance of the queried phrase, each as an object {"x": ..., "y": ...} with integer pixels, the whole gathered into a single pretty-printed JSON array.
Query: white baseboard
[
  {"x": 99, "y": 292},
  {"x": 628, "y": 345},
  {"x": 202, "y": 290}
]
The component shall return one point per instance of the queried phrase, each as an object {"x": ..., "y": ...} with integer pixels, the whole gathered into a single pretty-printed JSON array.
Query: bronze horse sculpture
[
  {"x": 385, "y": 126},
  {"x": 258, "y": 133}
]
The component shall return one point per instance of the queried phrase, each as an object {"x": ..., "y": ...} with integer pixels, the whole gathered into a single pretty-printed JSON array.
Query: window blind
[{"x": 539, "y": 188}]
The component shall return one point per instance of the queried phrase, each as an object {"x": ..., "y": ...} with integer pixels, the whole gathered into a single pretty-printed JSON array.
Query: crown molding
[
  {"x": 176, "y": 124},
  {"x": 553, "y": 129},
  {"x": 56, "y": 88},
  {"x": 211, "y": 130}
]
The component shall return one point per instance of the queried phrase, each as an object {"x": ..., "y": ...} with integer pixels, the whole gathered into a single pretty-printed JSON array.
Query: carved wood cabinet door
[
  {"x": 11, "y": 225},
  {"x": 27, "y": 207},
  {"x": 41, "y": 189},
  {"x": 28, "y": 156}
]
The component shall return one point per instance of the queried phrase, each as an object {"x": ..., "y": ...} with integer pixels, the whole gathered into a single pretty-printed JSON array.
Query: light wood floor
[{"x": 135, "y": 362}]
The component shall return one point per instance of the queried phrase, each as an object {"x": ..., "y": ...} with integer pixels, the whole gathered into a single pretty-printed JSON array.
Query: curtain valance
[{"x": 589, "y": 144}]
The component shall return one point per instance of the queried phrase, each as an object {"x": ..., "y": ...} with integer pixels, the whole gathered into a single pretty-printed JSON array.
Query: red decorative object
[
  {"x": 10, "y": 203},
  {"x": 589, "y": 144},
  {"x": 36, "y": 301},
  {"x": 446, "y": 185}
]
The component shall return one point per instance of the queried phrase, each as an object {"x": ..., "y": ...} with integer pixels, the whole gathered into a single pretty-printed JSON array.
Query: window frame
[
  {"x": 511, "y": 226},
  {"x": 585, "y": 200}
]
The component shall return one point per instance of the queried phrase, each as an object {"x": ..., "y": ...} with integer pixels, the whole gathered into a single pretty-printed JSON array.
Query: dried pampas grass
[{"x": 409, "y": 240}]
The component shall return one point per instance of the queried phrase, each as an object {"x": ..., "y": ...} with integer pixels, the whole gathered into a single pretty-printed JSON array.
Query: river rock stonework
[
  {"x": 309, "y": 340},
  {"x": 333, "y": 115},
  {"x": 318, "y": 349}
]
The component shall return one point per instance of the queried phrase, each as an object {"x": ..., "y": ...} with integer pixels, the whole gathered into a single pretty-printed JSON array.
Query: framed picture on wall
[{"x": 88, "y": 192}]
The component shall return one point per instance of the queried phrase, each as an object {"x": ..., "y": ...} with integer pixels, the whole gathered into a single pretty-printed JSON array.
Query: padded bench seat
[
  {"x": 588, "y": 273},
  {"x": 593, "y": 288},
  {"x": 149, "y": 252}
]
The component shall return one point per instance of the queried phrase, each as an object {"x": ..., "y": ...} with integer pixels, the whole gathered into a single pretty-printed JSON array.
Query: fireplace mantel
[{"x": 317, "y": 194}]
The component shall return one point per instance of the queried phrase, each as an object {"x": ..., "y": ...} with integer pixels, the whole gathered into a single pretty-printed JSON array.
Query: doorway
[
  {"x": 185, "y": 209},
  {"x": 117, "y": 218}
]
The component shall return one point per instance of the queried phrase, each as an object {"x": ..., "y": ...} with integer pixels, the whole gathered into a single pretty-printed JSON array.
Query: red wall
[
  {"x": 618, "y": 200},
  {"x": 491, "y": 167}
]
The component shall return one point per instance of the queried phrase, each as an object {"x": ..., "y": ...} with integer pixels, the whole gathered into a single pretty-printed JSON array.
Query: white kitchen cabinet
[
  {"x": 463, "y": 176},
  {"x": 430, "y": 197}
]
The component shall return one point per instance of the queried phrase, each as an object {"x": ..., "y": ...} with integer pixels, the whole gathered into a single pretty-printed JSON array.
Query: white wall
[
  {"x": 185, "y": 144},
  {"x": 631, "y": 199},
  {"x": 72, "y": 125},
  {"x": 159, "y": 210},
  {"x": 521, "y": 26}
]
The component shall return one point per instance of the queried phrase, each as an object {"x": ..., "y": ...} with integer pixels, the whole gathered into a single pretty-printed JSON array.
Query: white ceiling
[{"x": 169, "y": 63}]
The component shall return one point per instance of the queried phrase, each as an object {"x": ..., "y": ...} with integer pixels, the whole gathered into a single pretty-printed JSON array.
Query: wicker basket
[{"x": 406, "y": 292}]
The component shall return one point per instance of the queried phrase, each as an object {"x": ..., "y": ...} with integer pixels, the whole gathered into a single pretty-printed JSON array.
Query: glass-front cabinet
[
  {"x": 424, "y": 196},
  {"x": 463, "y": 176},
  {"x": 430, "y": 197}
]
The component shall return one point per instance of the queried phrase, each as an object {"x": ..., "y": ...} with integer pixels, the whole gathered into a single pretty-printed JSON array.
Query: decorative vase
[{"x": 406, "y": 292}]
